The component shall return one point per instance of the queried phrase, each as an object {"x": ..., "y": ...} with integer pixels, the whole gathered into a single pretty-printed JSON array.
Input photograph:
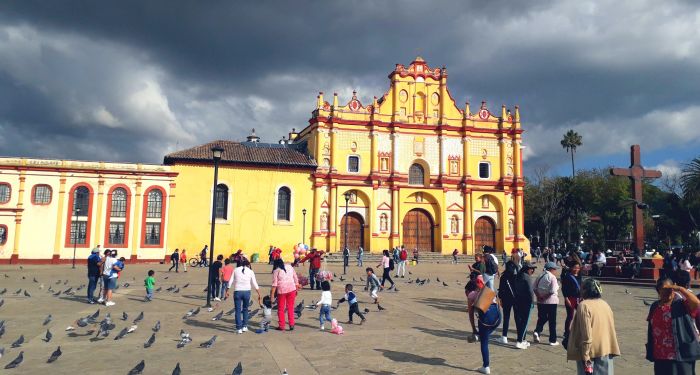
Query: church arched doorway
[
  {"x": 484, "y": 233},
  {"x": 418, "y": 230},
  {"x": 356, "y": 231}
]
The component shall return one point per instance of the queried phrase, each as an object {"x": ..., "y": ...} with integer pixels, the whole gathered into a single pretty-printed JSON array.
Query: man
[
  {"x": 403, "y": 258},
  {"x": 454, "y": 256},
  {"x": 314, "y": 266},
  {"x": 269, "y": 254},
  {"x": 478, "y": 265},
  {"x": 110, "y": 272},
  {"x": 599, "y": 262},
  {"x": 490, "y": 268},
  {"x": 93, "y": 265},
  {"x": 523, "y": 302},
  {"x": 203, "y": 256},
  {"x": 360, "y": 255},
  {"x": 346, "y": 256},
  {"x": 175, "y": 260},
  {"x": 546, "y": 288}
]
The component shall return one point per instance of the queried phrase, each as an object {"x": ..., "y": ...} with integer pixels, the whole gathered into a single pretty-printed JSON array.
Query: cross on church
[{"x": 636, "y": 174}]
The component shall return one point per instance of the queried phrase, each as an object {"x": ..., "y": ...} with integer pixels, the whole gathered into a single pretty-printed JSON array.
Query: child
[
  {"x": 373, "y": 284},
  {"x": 183, "y": 259},
  {"x": 325, "y": 303},
  {"x": 267, "y": 313},
  {"x": 352, "y": 301},
  {"x": 149, "y": 282}
]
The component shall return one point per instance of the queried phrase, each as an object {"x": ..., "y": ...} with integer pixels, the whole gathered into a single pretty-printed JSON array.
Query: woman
[
  {"x": 524, "y": 296},
  {"x": 285, "y": 283},
  {"x": 386, "y": 266},
  {"x": 488, "y": 321},
  {"x": 593, "y": 342},
  {"x": 506, "y": 293},
  {"x": 672, "y": 341},
  {"x": 242, "y": 281},
  {"x": 571, "y": 289},
  {"x": 621, "y": 263},
  {"x": 183, "y": 259}
]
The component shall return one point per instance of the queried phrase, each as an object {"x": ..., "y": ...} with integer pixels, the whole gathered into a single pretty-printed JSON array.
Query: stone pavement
[{"x": 422, "y": 331}]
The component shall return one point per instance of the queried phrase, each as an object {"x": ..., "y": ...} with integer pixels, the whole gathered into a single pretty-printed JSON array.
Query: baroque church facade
[{"x": 411, "y": 168}]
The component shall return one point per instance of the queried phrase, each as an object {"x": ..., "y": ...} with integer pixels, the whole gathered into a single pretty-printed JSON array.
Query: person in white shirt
[
  {"x": 109, "y": 277},
  {"x": 242, "y": 281},
  {"x": 326, "y": 302}
]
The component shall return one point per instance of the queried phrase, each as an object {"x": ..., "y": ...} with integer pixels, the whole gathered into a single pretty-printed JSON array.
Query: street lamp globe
[{"x": 217, "y": 151}]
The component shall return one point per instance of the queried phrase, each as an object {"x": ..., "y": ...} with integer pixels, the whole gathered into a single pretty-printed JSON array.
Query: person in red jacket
[{"x": 314, "y": 266}]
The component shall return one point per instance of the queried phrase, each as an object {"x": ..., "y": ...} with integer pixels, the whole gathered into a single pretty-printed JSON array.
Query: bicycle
[{"x": 195, "y": 260}]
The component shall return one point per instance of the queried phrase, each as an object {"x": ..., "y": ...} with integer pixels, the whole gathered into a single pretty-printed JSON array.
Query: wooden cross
[{"x": 636, "y": 174}]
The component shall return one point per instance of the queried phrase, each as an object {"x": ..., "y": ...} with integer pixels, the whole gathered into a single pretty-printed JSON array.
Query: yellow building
[{"x": 49, "y": 208}]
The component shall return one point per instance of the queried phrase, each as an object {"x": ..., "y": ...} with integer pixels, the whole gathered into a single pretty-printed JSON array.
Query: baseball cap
[{"x": 550, "y": 266}]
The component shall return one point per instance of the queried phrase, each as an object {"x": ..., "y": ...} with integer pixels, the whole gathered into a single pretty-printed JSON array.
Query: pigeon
[
  {"x": 166, "y": 277},
  {"x": 361, "y": 278},
  {"x": 35, "y": 280},
  {"x": 353, "y": 279},
  {"x": 444, "y": 283},
  {"x": 218, "y": 316},
  {"x": 208, "y": 343},
  {"x": 15, "y": 362},
  {"x": 48, "y": 319},
  {"x": 627, "y": 291},
  {"x": 126, "y": 285},
  {"x": 54, "y": 356},
  {"x": 437, "y": 279},
  {"x": 646, "y": 303},
  {"x": 41, "y": 286},
  {"x": 170, "y": 289},
  {"x": 186, "y": 285},
  {"x": 95, "y": 315},
  {"x": 3, "y": 291},
  {"x": 58, "y": 282},
  {"x": 159, "y": 289},
  {"x": 65, "y": 282},
  {"x": 139, "y": 318},
  {"x": 195, "y": 312},
  {"x": 238, "y": 370},
  {"x": 380, "y": 307},
  {"x": 68, "y": 290},
  {"x": 132, "y": 328},
  {"x": 366, "y": 310},
  {"x": 183, "y": 334},
  {"x": 18, "y": 342},
  {"x": 24, "y": 278},
  {"x": 69, "y": 329},
  {"x": 82, "y": 322},
  {"x": 50, "y": 290},
  {"x": 150, "y": 341},
  {"x": 2, "y": 301},
  {"x": 231, "y": 312},
  {"x": 298, "y": 309},
  {"x": 410, "y": 273},
  {"x": 138, "y": 369},
  {"x": 342, "y": 278},
  {"x": 184, "y": 342},
  {"x": 396, "y": 289},
  {"x": 156, "y": 328},
  {"x": 177, "y": 290},
  {"x": 121, "y": 334},
  {"x": 57, "y": 294},
  {"x": 418, "y": 280},
  {"x": 125, "y": 316},
  {"x": 18, "y": 292},
  {"x": 2, "y": 330},
  {"x": 2, "y": 352},
  {"x": 176, "y": 370},
  {"x": 48, "y": 336},
  {"x": 188, "y": 314}
]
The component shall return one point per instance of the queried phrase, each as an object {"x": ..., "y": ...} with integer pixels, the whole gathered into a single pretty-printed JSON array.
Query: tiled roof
[{"x": 249, "y": 153}]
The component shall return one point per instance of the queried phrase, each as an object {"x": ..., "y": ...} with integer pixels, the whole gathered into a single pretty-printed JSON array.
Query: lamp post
[
  {"x": 216, "y": 152},
  {"x": 345, "y": 248},
  {"x": 75, "y": 236},
  {"x": 303, "y": 226}
]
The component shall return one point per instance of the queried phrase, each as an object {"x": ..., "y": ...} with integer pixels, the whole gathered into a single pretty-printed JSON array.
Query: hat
[
  {"x": 550, "y": 266},
  {"x": 527, "y": 265},
  {"x": 95, "y": 251}
]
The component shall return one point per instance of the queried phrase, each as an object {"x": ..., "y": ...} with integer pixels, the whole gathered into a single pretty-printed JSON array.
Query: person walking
[
  {"x": 93, "y": 267},
  {"x": 360, "y": 255},
  {"x": 403, "y": 258},
  {"x": 285, "y": 284},
  {"x": 175, "y": 260},
  {"x": 488, "y": 321},
  {"x": 593, "y": 341},
  {"x": 346, "y": 256},
  {"x": 490, "y": 268},
  {"x": 506, "y": 293},
  {"x": 524, "y": 295},
  {"x": 387, "y": 265},
  {"x": 314, "y": 267},
  {"x": 571, "y": 289},
  {"x": 269, "y": 254},
  {"x": 203, "y": 256},
  {"x": 243, "y": 281},
  {"x": 214, "y": 277},
  {"x": 546, "y": 290},
  {"x": 672, "y": 340},
  {"x": 225, "y": 275},
  {"x": 183, "y": 259},
  {"x": 454, "y": 256},
  {"x": 415, "y": 255}
]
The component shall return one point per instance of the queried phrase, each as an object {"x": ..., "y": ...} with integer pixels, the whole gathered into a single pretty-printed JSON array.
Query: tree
[
  {"x": 690, "y": 179},
  {"x": 570, "y": 142}
]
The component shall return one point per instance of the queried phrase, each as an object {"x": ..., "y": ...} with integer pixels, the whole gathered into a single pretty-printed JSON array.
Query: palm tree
[
  {"x": 690, "y": 178},
  {"x": 570, "y": 142}
]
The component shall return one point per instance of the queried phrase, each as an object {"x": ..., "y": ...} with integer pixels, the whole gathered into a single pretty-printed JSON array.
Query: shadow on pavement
[
  {"x": 444, "y": 304},
  {"x": 449, "y": 333},
  {"x": 414, "y": 358}
]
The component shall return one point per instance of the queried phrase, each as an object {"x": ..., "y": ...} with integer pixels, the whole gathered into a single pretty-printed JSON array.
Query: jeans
[
  {"x": 401, "y": 269},
  {"x": 359, "y": 260},
  {"x": 346, "y": 260},
  {"x": 312, "y": 279},
  {"x": 92, "y": 285},
  {"x": 324, "y": 314},
  {"x": 522, "y": 319},
  {"x": 355, "y": 309},
  {"x": 386, "y": 276},
  {"x": 149, "y": 294},
  {"x": 547, "y": 313},
  {"x": 224, "y": 288},
  {"x": 507, "y": 307},
  {"x": 286, "y": 300},
  {"x": 485, "y": 332},
  {"x": 488, "y": 280},
  {"x": 214, "y": 285},
  {"x": 601, "y": 365},
  {"x": 240, "y": 301},
  {"x": 175, "y": 265}
]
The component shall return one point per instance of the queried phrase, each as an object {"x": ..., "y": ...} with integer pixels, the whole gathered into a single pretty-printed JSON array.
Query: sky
[{"x": 135, "y": 80}]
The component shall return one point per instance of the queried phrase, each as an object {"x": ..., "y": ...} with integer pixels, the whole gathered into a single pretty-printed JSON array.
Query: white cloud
[{"x": 669, "y": 168}]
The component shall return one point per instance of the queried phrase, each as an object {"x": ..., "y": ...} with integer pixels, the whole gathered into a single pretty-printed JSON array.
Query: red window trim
[
  {"x": 34, "y": 194},
  {"x": 88, "y": 227},
  {"x": 162, "y": 218},
  {"x": 108, "y": 218},
  {"x": 7, "y": 233},
  {"x": 9, "y": 198}
]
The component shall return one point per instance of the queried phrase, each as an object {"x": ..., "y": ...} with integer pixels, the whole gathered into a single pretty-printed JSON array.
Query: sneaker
[
  {"x": 92, "y": 302},
  {"x": 239, "y": 331},
  {"x": 503, "y": 340},
  {"x": 521, "y": 345},
  {"x": 350, "y": 321},
  {"x": 109, "y": 303},
  {"x": 527, "y": 343},
  {"x": 245, "y": 329},
  {"x": 100, "y": 300},
  {"x": 323, "y": 328},
  {"x": 217, "y": 299},
  {"x": 556, "y": 343},
  {"x": 484, "y": 370},
  {"x": 280, "y": 328},
  {"x": 291, "y": 328},
  {"x": 536, "y": 336}
]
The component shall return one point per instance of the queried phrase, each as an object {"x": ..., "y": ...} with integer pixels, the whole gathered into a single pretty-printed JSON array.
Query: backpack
[
  {"x": 491, "y": 265},
  {"x": 404, "y": 254},
  {"x": 391, "y": 264}
]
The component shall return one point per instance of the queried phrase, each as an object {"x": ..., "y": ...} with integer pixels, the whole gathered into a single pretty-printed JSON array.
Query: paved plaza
[{"x": 423, "y": 330}]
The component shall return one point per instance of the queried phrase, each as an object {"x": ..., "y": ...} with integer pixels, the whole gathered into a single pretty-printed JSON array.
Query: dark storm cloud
[{"x": 133, "y": 80}]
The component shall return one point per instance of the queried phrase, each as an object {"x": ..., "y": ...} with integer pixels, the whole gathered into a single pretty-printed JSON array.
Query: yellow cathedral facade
[{"x": 411, "y": 168}]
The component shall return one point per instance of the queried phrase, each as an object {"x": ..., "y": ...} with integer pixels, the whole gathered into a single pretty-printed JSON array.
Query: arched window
[
  {"x": 81, "y": 201},
  {"x": 117, "y": 217},
  {"x": 154, "y": 217},
  {"x": 5, "y": 193},
  {"x": 416, "y": 175},
  {"x": 221, "y": 198},
  {"x": 3, "y": 234},
  {"x": 79, "y": 217},
  {"x": 284, "y": 200},
  {"x": 41, "y": 194}
]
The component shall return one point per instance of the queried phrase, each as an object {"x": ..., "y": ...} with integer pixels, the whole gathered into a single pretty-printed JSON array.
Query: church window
[
  {"x": 5, "y": 193},
  {"x": 416, "y": 175},
  {"x": 155, "y": 204},
  {"x": 153, "y": 221},
  {"x": 3, "y": 234},
  {"x": 117, "y": 220},
  {"x": 221, "y": 201},
  {"x": 41, "y": 194},
  {"x": 116, "y": 233},
  {"x": 152, "y": 234},
  {"x": 484, "y": 170},
  {"x": 284, "y": 200},
  {"x": 384, "y": 164},
  {"x": 353, "y": 164},
  {"x": 118, "y": 208},
  {"x": 454, "y": 167},
  {"x": 79, "y": 216},
  {"x": 81, "y": 201}
]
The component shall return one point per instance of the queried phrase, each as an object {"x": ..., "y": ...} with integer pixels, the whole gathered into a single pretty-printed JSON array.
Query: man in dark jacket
[
  {"x": 175, "y": 259},
  {"x": 506, "y": 292},
  {"x": 524, "y": 295}
]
